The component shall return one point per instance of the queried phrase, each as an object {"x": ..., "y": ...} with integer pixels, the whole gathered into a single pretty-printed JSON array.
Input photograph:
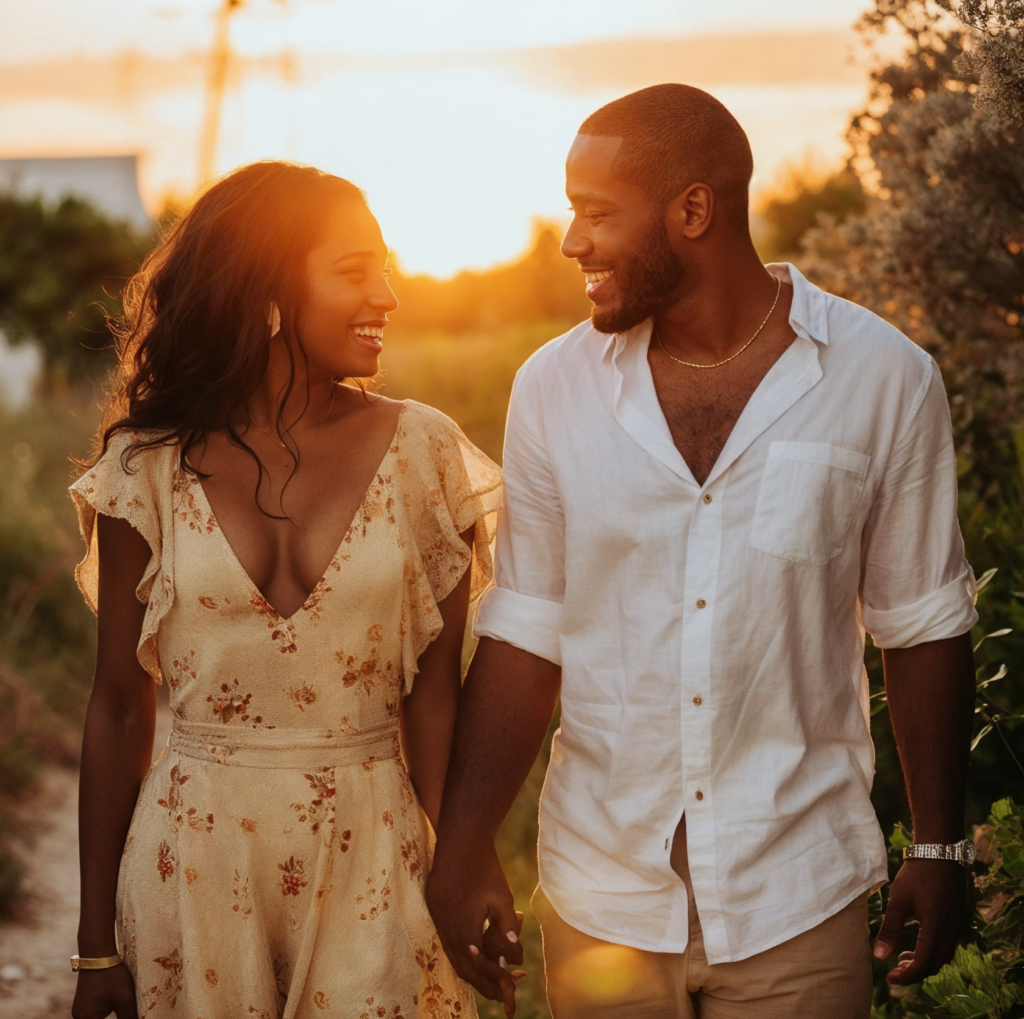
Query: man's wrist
[{"x": 936, "y": 832}]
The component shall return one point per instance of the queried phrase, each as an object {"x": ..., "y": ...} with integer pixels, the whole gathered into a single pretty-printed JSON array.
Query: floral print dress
[{"x": 277, "y": 855}]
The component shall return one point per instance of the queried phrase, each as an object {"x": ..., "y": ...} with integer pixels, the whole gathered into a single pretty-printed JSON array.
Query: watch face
[{"x": 968, "y": 851}]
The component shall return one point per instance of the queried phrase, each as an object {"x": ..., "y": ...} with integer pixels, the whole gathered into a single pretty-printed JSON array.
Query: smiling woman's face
[{"x": 347, "y": 295}]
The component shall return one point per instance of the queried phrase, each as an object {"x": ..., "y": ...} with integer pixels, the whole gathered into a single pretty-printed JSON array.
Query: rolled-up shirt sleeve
[
  {"x": 524, "y": 608},
  {"x": 916, "y": 584}
]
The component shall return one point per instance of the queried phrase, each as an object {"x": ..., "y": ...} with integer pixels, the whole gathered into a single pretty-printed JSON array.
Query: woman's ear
[{"x": 274, "y": 318}]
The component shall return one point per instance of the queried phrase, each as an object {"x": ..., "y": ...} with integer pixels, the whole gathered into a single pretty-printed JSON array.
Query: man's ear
[{"x": 688, "y": 216}]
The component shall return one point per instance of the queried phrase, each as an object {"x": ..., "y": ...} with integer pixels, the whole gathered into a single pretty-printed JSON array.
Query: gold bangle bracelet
[{"x": 107, "y": 962}]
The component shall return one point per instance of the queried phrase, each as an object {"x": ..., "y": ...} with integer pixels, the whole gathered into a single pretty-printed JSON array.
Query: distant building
[{"x": 110, "y": 182}]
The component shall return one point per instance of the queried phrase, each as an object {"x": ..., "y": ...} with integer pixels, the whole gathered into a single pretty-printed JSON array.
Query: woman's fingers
[{"x": 499, "y": 978}]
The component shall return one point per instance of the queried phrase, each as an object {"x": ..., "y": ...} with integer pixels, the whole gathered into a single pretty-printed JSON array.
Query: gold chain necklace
[{"x": 690, "y": 364}]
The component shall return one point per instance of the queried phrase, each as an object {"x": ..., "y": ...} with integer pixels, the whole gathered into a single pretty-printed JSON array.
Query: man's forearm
[
  {"x": 930, "y": 690},
  {"x": 504, "y": 710}
]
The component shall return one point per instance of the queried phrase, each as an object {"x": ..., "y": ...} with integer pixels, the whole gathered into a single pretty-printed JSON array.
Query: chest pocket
[{"x": 808, "y": 498}]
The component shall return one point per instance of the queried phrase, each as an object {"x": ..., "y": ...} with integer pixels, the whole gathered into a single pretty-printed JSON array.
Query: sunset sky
[{"x": 454, "y": 115}]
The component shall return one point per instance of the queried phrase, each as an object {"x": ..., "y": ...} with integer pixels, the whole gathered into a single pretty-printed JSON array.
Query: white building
[{"x": 109, "y": 182}]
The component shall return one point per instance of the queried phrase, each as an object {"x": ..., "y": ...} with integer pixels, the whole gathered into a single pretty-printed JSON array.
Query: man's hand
[
  {"x": 930, "y": 688},
  {"x": 933, "y": 892},
  {"x": 473, "y": 909}
]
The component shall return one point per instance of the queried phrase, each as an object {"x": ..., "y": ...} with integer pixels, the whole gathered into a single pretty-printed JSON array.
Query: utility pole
[{"x": 220, "y": 58}]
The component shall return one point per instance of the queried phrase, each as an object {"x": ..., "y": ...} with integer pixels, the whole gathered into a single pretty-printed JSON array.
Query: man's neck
[{"x": 723, "y": 302}]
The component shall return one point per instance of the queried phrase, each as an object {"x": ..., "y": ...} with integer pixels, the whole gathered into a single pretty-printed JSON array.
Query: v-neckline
[{"x": 254, "y": 588}]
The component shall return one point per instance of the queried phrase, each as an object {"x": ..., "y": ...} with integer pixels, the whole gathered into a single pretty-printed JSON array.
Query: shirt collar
[{"x": 809, "y": 313}]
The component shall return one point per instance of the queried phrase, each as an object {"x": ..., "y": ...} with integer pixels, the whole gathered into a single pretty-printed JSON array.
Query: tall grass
[{"x": 46, "y": 632}]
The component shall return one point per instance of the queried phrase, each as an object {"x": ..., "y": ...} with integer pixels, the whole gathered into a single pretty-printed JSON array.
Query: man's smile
[{"x": 595, "y": 279}]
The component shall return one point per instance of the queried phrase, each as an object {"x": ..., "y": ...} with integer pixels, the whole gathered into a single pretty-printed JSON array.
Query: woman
[{"x": 293, "y": 557}]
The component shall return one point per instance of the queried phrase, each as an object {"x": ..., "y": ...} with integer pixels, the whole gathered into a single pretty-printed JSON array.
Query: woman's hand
[{"x": 102, "y": 991}]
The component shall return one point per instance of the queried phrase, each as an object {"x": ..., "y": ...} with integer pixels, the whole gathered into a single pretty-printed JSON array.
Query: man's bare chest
[
  {"x": 701, "y": 419},
  {"x": 702, "y": 407}
]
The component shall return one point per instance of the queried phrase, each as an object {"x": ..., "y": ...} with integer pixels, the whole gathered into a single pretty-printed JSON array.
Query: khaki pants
[{"x": 824, "y": 973}]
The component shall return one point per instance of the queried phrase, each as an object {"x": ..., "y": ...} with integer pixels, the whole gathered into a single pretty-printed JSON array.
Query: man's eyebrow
[{"x": 589, "y": 197}]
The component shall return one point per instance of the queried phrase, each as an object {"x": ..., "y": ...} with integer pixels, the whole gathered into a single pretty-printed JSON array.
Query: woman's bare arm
[
  {"x": 116, "y": 752},
  {"x": 428, "y": 713}
]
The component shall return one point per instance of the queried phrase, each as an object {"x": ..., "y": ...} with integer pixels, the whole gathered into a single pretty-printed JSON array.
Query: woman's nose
[{"x": 383, "y": 298}]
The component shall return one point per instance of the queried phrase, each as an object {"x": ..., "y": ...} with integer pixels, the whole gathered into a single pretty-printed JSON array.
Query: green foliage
[
  {"x": 61, "y": 270},
  {"x": 997, "y": 56},
  {"x": 984, "y": 978},
  {"x": 798, "y": 203},
  {"x": 970, "y": 987},
  {"x": 939, "y": 251},
  {"x": 540, "y": 286},
  {"x": 46, "y": 632}
]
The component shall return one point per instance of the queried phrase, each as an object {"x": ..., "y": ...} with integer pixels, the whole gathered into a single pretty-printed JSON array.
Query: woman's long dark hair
[{"x": 193, "y": 338}]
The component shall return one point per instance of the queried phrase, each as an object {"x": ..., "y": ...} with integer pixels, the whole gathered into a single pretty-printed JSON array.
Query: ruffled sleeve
[
  {"x": 448, "y": 486},
  {"x": 141, "y": 495}
]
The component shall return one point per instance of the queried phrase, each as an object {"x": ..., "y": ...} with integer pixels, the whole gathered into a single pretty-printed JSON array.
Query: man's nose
[{"x": 575, "y": 243}]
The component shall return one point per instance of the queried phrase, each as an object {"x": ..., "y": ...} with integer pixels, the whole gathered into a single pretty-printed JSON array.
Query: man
[{"x": 711, "y": 488}]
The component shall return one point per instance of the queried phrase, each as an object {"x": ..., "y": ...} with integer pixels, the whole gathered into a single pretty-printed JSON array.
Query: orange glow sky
[{"x": 454, "y": 115}]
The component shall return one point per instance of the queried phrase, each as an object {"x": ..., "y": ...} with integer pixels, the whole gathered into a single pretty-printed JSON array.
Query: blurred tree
[
  {"x": 939, "y": 252},
  {"x": 797, "y": 202},
  {"x": 540, "y": 286},
  {"x": 61, "y": 270}
]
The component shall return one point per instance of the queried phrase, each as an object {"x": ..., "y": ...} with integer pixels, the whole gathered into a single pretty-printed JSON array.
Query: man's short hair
[{"x": 674, "y": 136}]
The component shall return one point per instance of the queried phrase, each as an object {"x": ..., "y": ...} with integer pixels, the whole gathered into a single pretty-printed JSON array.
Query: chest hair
[{"x": 702, "y": 406}]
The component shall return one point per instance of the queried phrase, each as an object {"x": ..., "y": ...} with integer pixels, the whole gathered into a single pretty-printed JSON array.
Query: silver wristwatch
[{"x": 959, "y": 852}]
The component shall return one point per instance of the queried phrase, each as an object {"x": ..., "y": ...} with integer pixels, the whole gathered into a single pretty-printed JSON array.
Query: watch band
[
  {"x": 961, "y": 852},
  {"x": 107, "y": 962}
]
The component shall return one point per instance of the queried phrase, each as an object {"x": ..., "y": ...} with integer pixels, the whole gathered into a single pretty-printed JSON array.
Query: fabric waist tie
[{"x": 284, "y": 748}]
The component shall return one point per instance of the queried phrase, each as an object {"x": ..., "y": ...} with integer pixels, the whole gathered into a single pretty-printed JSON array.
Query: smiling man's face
[{"x": 618, "y": 238}]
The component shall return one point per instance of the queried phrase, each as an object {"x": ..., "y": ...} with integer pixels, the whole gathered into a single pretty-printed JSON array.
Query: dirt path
[{"x": 36, "y": 981}]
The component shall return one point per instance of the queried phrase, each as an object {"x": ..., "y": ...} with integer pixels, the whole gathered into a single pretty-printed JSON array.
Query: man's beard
[{"x": 647, "y": 283}]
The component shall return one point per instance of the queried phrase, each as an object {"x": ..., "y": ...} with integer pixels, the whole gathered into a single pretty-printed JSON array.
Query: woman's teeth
[{"x": 369, "y": 332}]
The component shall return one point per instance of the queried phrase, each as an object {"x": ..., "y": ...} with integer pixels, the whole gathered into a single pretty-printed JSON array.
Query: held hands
[
  {"x": 934, "y": 893},
  {"x": 102, "y": 991},
  {"x": 476, "y": 920}
]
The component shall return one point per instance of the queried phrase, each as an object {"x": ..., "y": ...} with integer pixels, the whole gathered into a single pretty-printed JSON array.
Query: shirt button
[
  {"x": 698, "y": 700},
  {"x": 701, "y": 603},
  {"x": 699, "y": 795},
  {"x": 707, "y": 499}
]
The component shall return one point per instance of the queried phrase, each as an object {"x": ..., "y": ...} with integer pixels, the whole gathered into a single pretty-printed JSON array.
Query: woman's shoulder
[
  {"x": 424, "y": 419},
  {"x": 429, "y": 432},
  {"x": 139, "y": 454}
]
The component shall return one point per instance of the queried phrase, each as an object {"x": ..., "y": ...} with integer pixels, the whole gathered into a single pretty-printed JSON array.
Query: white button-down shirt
[{"x": 710, "y": 636}]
